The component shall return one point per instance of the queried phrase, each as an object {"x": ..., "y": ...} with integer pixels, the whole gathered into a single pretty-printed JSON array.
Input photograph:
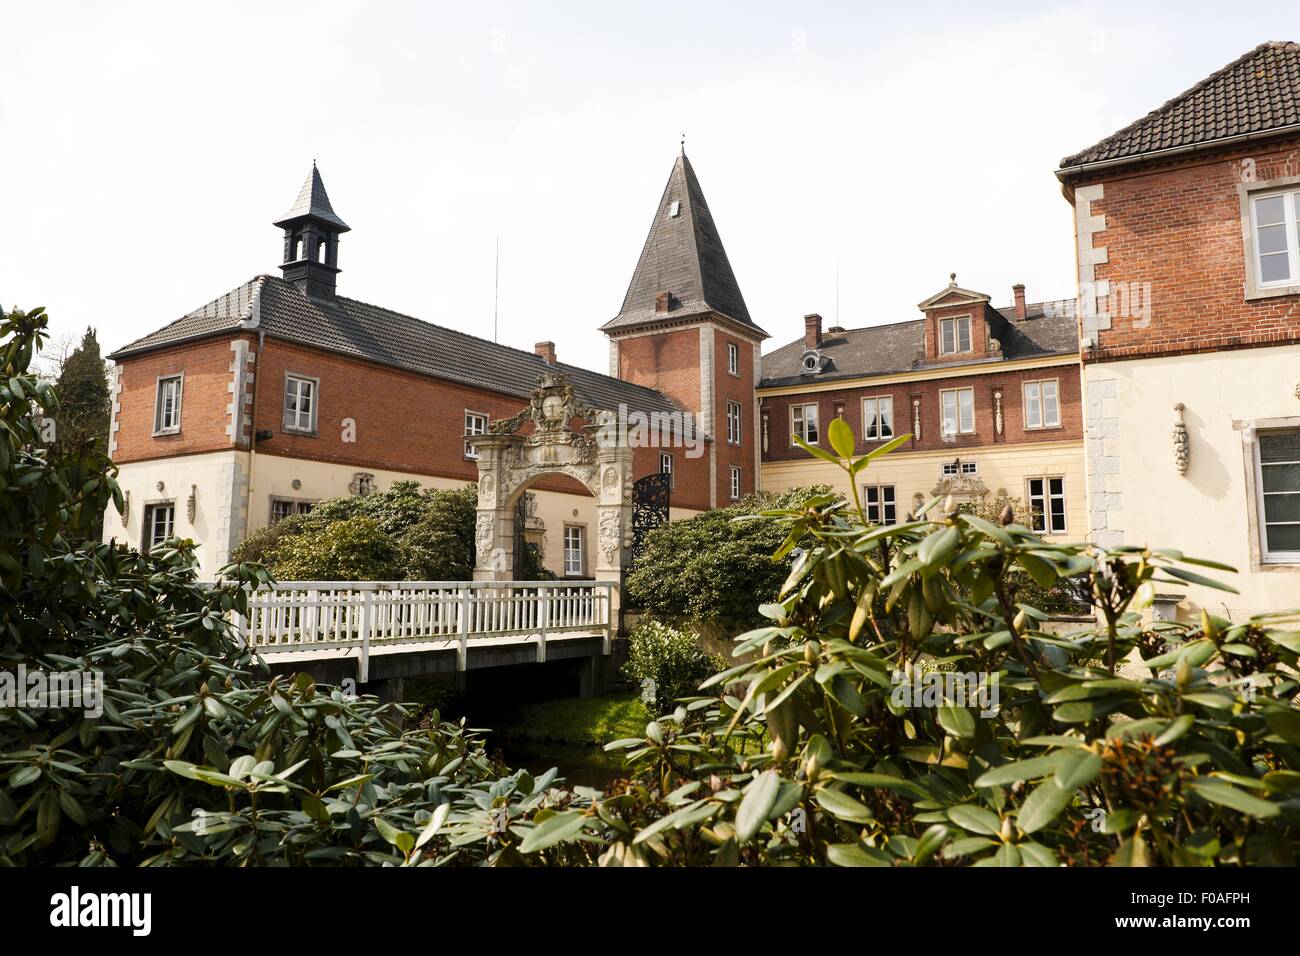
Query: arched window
[
  {"x": 297, "y": 249},
  {"x": 321, "y": 247}
]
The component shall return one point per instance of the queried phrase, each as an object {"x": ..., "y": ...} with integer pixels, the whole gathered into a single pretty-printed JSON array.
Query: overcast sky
[{"x": 145, "y": 148}]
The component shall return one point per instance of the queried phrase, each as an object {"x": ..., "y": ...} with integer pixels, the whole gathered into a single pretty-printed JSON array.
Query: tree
[
  {"x": 82, "y": 390},
  {"x": 716, "y": 568}
]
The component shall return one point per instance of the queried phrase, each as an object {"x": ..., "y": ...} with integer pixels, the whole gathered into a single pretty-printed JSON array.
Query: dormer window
[
  {"x": 675, "y": 209},
  {"x": 812, "y": 363},
  {"x": 954, "y": 335}
]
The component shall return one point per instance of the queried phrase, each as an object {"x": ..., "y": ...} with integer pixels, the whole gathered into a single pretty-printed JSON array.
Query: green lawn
[{"x": 593, "y": 721}]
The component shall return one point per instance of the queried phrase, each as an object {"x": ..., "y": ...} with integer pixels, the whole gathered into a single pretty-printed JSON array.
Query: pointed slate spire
[
  {"x": 683, "y": 269},
  {"x": 313, "y": 202},
  {"x": 311, "y": 239}
]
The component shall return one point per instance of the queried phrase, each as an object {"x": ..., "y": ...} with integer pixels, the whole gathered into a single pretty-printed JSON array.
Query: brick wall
[
  {"x": 736, "y": 388},
  {"x": 401, "y": 421},
  {"x": 1010, "y": 383},
  {"x": 668, "y": 361},
  {"x": 1175, "y": 230},
  {"x": 205, "y": 398}
]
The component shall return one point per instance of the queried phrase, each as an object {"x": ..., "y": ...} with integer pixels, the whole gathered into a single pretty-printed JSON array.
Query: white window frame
[
  {"x": 881, "y": 502},
  {"x": 312, "y": 413},
  {"x": 878, "y": 410},
  {"x": 575, "y": 550},
  {"x": 1046, "y": 497},
  {"x": 949, "y": 469},
  {"x": 1035, "y": 397},
  {"x": 1291, "y": 228},
  {"x": 476, "y": 423},
  {"x": 296, "y": 506},
  {"x": 151, "y": 511},
  {"x": 733, "y": 359},
  {"x": 957, "y": 394},
  {"x": 735, "y": 429},
  {"x": 1267, "y": 556},
  {"x": 735, "y": 482},
  {"x": 799, "y": 422},
  {"x": 161, "y": 427},
  {"x": 955, "y": 324},
  {"x": 666, "y": 468}
]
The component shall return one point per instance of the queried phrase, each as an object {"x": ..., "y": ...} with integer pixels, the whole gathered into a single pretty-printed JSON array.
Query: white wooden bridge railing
[{"x": 338, "y": 615}]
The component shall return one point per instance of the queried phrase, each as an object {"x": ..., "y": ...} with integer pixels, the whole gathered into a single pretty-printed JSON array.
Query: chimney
[
  {"x": 662, "y": 301},
  {"x": 1018, "y": 290},
  {"x": 546, "y": 350},
  {"x": 812, "y": 330}
]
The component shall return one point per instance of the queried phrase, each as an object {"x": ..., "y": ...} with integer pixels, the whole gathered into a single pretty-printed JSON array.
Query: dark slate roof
[
  {"x": 313, "y": 201},
  {"x": 1049, "y": 328},
  {"x": 1253, "y": 94},
  {"x": 683, "y": 256},
  {"x": 282, "y": 310}
]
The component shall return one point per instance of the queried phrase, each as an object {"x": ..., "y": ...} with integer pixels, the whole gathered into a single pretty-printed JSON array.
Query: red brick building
[
  {"x": 990, "y": 398},
  {"x": 283, "y": 392},
  {"x": 1188, "y": 232}
]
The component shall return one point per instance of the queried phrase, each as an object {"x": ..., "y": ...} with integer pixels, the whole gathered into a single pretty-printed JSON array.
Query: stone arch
[{"x": 591, "y": 454}]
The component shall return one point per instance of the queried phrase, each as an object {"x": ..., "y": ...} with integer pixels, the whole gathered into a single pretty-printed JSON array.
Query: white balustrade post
[
  {"x": 544, "y": 621},
  {"x": 609, "y": 616},
  {"x": 466, "y": 611},
  {"x": 367, "y": 613}
]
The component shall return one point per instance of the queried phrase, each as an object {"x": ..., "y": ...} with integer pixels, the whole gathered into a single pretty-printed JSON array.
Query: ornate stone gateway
[
  {"x": 508, "y": 462},
  {"x": 651, "y": 498}
]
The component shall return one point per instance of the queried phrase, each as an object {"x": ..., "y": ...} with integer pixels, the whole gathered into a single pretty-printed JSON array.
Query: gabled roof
[
  {"x": 1049, "y": 329},
  {"x": 683, "y": 256},
  {"x": 1254, "y": 94},
  {"x": 282, "y": 310},
  {"x": 313, "y": 202}
]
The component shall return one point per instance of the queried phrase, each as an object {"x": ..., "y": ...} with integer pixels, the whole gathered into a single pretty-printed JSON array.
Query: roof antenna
[
  {"x": 496, "y": 287},
  {"x": 837, "y": 285},
  {"x": 683, "y": 144}
]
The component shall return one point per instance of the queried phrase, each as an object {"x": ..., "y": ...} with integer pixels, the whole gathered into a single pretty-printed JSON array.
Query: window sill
[
  {"x": 1271, "y": 292},
  {"x": 1043, "y": 428},
  {"x": 301, "y": 432},
  {"x": 164, "y": 433}
]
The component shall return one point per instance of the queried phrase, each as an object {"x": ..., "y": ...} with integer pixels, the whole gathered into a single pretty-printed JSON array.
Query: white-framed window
[
  {"x": 1047, "y": 504},
  {"x": 881, "y": 507},
  {"x": 167, "y": 405},
  {"x": 300, "y": 396},
  {"x": 959, "y": 467},
  {"x": 283, "y": 507},
  {"x": 878, "y": 418},
  {"x": 666, "y": 468},
  {"x": 1275, "y": 224},
  {"x": 803, "y": 422},
  {"x": 1277, "y": 478},
  {"x": 958, "y": 411},
  {"x": 159, "y": 524},
  {"x": 735, "y": 482},
  {"x": 733, "y": 423},
  {"x": 733, "y": 358},
  {"x": 575, "y": 550},
  {"x": 475, "y": 424},
  {"x": 1042, "y": 404},
  {"x": 954, "y": 335}
]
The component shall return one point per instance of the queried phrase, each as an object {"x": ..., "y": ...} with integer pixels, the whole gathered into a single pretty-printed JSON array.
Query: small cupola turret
[{"x": 311, "y": 239}]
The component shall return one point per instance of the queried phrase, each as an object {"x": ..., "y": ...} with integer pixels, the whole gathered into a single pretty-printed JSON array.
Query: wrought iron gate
[{"x": 650, "y": 501}]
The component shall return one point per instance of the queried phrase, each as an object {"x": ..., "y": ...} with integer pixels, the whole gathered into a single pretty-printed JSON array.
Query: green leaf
[
  {"x": 843, "y": 807},
  {"x": 760, "y": 796},
  {"x": 957, "y": 721},
  {"x": 1078, "y": 768},
  {"x": 1229, "y": 796},
  {"x": 553, "y": 830},
  {"x": 1042, "y": 806},
  {"x": 438, "y": 818},
  {"x": 852, "y": 854},
  {"x": 841, "y": 437},
  {"x": 975, "y": 819},
  {"x": 1022, "y": 770}
]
